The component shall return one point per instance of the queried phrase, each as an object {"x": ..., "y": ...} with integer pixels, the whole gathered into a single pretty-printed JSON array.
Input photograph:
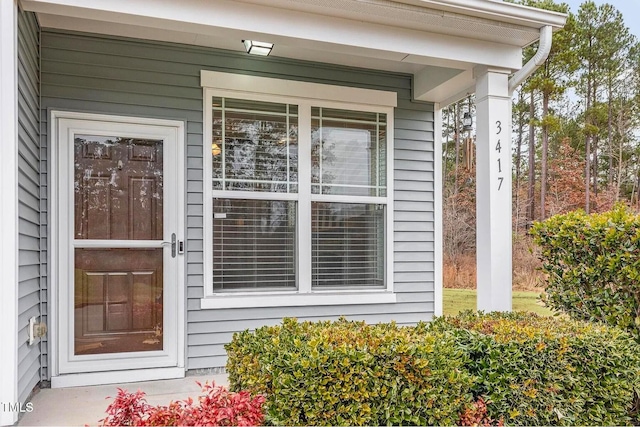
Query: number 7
[{"x": 501, "y": 179}]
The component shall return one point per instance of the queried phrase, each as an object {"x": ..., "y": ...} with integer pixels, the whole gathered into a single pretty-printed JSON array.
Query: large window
[{"x": 298, "y": 192}]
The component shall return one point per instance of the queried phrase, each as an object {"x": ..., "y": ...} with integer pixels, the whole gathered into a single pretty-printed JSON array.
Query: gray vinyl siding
[
  {"x": 141, "y": 78},
  {"x": 29, "y": 273}
]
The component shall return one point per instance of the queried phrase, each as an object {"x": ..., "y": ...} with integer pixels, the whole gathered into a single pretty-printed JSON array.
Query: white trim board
[
  {"x": 63, "y": 124},
  {"x": 9, "y": 211},
  {"x": 300, "y": 90},
  {"x": 283, "y": 299}
]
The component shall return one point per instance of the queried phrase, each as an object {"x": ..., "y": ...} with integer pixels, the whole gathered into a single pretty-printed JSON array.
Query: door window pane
[
  {"x": 347, "y": 245},
  {"x": 118, "y": 300},
  {"x": 118, "y": 188},
  {"x": 255, "y": 146},
  {"x": 254, "y": 244},
  {"x": 348, "y": 152}
]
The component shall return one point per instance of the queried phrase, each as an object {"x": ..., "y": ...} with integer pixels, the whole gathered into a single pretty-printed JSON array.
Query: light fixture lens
[
  {"x": 254, "y": 47},
  {"x": 215, "y": 149}
]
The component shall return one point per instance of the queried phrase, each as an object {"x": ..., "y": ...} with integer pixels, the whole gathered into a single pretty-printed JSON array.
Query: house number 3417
[{"x": 499, "y": 150}]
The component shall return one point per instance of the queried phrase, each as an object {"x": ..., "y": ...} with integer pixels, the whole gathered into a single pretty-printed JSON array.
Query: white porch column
[
  {"x": 493, "y": 189},
  {"x": 8, "y": 212},
  {"x": 437, "y": 198}
]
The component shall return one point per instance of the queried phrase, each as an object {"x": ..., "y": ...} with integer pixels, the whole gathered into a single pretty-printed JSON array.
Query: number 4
[{"x": 498, "y": 147}]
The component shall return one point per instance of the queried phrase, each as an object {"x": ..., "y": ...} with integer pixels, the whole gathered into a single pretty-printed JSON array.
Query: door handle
[{"x": 173, "y": 244}]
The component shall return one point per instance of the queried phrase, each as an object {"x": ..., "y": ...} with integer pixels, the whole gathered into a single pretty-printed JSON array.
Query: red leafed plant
[
  {"x": 477, "y": 415},
  {"x": 216, "y": 407}
]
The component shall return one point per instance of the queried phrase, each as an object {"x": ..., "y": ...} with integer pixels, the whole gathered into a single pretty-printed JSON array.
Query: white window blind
[
  {"x": 348, "y": 244},
  {"x": 254, "y": 244}
]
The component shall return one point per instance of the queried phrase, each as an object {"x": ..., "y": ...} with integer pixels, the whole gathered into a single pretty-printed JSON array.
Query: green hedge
[
  {"x": 350, "y": 373},
  {"x": 593, "y": 266},
  {"x": 532, "y": 370},
  {"x": 539, "y": 370}
]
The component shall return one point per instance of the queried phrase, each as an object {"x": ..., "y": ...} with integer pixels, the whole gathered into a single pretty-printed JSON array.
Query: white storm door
[{"x": 119, "y": 243}]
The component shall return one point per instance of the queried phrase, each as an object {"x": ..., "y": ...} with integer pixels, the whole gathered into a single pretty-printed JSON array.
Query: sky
[{"x": 630, "y": 9}]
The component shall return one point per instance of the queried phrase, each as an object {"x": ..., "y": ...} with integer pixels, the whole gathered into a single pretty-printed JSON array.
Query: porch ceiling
[{"x": 438, "y": 41}]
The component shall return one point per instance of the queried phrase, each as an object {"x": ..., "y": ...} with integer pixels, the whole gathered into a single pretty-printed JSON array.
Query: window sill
[{"x": 295, "y": 299}]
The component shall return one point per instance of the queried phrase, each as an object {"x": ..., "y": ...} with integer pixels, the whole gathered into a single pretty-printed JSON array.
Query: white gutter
[
  {"x": 497, "y": 10},
  {"x": 544, "y": 47}
]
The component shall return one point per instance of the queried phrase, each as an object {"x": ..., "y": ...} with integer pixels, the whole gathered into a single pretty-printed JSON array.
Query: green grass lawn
[{"x": 456, "y": 300}]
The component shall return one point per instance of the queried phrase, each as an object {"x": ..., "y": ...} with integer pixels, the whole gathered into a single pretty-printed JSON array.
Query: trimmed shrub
[
  {"x": 351, "y": 373},
  {"x": 216, "y": 407},
  {"x": 593, "y": 266},
  {"x": 538, "y": 370}
]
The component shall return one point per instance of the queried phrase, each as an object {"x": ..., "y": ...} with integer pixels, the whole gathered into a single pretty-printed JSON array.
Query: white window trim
[{"x": 305, "y": 95}]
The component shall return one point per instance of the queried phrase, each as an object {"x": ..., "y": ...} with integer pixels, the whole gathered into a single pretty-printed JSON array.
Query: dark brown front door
[{"x": 118, "y": 198}]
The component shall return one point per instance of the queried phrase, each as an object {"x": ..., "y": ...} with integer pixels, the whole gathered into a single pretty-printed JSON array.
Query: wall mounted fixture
[
  {"x": 467, "y": 122},
  {"x": 254, "y": 47}
]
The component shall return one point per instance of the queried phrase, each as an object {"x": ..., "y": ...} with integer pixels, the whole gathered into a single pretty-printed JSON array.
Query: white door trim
[{"x": 73, "y": 370}]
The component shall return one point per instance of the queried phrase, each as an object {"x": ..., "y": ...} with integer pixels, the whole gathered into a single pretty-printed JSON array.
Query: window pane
[
  {"x": 117, "y": 188},
  {"x": 255, "y": 146},
  {"x": 118, "y": 300},
  {"x": 348, "y": 152},
  {"x": 254, "y": 244},
  {"x": 348, "y": 244}
]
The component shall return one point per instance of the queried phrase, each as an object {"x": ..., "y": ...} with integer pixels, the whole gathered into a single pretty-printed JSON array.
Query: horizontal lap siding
[
  {"x": 132, "y": 77},
  {"x": 29, "y": 268}
]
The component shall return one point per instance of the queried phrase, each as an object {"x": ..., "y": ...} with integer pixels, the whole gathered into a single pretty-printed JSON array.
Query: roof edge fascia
[{"x": 496, "y": 10}]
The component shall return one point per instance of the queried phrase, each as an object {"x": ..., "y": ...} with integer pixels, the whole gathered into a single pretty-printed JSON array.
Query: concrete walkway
[{"x": 79, "y": 406}]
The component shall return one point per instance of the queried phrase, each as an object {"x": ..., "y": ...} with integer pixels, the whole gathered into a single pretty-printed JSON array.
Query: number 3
[{"x": 499, "y": 124}]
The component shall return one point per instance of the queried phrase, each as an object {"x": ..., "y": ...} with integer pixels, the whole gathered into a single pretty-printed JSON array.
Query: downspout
[{"x": 546, "y": 34}]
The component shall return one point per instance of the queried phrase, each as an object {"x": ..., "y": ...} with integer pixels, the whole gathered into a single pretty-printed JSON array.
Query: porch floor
[{"x": 80, "y": 406}]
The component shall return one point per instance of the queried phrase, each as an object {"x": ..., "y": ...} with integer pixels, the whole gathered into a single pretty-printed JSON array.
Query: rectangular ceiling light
[{"x": 257, "y": 48}]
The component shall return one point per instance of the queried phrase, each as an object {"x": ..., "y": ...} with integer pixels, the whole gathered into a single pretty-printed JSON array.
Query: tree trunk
[
  {"x": 532, "y": 159},
  {"x": 594, "y": 148},
  {"x": 519, "y": 156},
  {"x": 610, "y": 134},
  {"x": 595, "y": 167},
  {"x": 456, "y": 133},
  {"x": 637, "y": 184},
  {"x": 445, "y": 153},
  {"x": 618, "y": 180},
  {"x": 621, "y": 132},
  {"x": 543, "y": 159},
  {"x": 587, "y": 144}
]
